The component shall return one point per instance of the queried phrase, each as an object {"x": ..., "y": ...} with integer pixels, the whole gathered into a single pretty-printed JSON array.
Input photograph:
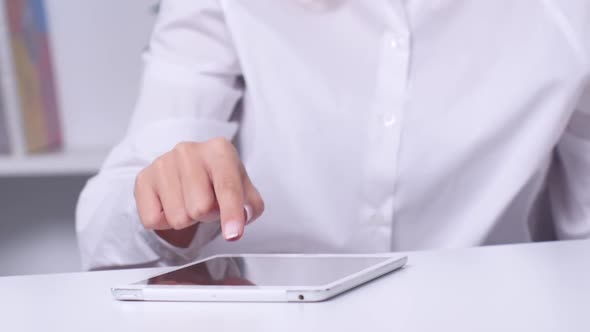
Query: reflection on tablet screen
[{"x": 265, "y": 271}]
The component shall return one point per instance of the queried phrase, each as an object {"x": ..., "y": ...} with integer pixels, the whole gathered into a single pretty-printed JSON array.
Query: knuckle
[
  {"x": 140, "y": 181},
  {"x": 179, "y": 220},
  {"x": 201, "y": 208},
  {"x": 219, "y": 141},
  {"x": 160, "y": 164},
  {"x": 183, "y": 149},
  {"x": 194, "y": 212},
  {"x": 150, "y": 221},
  {"x": 220, "y": 144}
]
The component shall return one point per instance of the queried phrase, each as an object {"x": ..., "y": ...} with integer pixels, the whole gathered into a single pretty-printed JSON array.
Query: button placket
[
  {"x": 383, "y": 154},
  {"x": 385, "y": 128}
]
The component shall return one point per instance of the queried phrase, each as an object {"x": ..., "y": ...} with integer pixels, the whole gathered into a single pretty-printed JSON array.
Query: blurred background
[{"x": 69, "y": 78}]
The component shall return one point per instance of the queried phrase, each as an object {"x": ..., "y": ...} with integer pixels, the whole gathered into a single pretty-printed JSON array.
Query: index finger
[{"x": 228, "y": 186}]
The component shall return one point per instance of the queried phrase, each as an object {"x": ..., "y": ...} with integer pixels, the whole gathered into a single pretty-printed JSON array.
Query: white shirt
[{"x": 367, "y": 126}]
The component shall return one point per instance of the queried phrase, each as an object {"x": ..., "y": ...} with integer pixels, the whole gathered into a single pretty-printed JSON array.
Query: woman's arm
[{"x": 190, "y": 87}]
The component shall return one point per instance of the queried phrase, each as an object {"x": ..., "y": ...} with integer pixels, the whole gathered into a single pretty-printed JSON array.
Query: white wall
[{"x": 97, "y": 46}]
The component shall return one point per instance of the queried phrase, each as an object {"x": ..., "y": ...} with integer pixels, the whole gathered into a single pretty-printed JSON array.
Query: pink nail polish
[{"x": 231, "y": 230}]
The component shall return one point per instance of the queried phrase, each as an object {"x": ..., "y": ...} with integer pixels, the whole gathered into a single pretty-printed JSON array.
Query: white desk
[{"x": 534, "y": 287}]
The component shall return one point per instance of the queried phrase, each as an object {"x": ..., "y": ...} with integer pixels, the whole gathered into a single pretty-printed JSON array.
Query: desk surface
[{"x": 532, "y": 287}]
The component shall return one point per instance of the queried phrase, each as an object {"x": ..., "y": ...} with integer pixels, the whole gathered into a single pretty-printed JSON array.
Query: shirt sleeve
[
  {"x": 190, "y": 87},
  {"x": 569, "y": 177}
]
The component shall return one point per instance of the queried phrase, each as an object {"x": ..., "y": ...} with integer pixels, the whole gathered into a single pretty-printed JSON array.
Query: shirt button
[
  {"x": 397, "y": 41},
  {"x": 393, "y": 43},
  {"x": 389, "y": 120}
]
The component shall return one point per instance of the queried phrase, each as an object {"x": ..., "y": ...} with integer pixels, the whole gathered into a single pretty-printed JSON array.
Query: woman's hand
[{"x": 197, "y": 182}]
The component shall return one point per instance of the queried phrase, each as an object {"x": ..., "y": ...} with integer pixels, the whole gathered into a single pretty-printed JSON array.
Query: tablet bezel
[{"x": 239, "y": 293}]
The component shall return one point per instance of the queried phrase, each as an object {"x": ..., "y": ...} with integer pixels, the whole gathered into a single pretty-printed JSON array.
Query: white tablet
[{"x": 262, "y": 278}]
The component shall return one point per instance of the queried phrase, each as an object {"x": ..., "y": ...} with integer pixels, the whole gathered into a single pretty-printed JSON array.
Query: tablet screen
[{"x": 266, "y": 271}]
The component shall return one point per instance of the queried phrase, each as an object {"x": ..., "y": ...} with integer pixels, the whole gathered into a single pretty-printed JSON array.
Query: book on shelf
[
  {"x": 30, "y": 113},
  {"x": 4, "y": 139}
]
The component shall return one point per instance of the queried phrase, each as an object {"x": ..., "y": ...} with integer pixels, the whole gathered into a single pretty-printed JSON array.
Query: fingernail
[
  {"x": 231, "y": 230},
  {"x": 248, "y": 213}
]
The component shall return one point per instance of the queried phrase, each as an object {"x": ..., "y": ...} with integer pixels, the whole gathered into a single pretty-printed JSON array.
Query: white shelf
[{"x": 55, "y": 163}]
